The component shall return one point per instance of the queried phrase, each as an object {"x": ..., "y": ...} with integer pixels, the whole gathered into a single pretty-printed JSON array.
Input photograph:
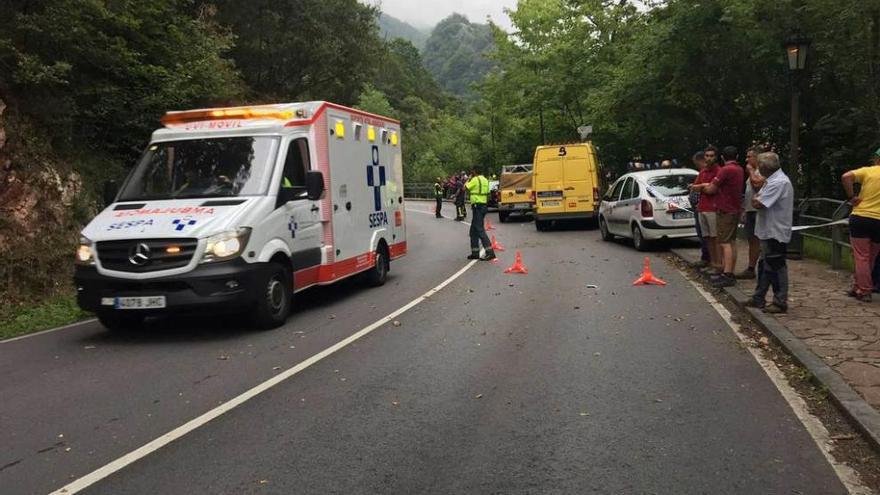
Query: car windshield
[
  {"x": 202, "y": 168},
  {"x": 670, "y": 185}
]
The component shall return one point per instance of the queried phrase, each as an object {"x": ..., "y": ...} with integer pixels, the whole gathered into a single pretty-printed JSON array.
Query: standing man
[
  {"x": 478, "y": 187},
  {"x": 460, "y": 211},
  {"x": 750, "y": 214},
  {"x": 438, "y": 197},
  {"x": 727, "y": 187},
  {"x": 774, "y": 203},
  {"x": 864, "y": 224},
  {"x": 707, "y": 208},
  {"x": 699, "y": 160}
]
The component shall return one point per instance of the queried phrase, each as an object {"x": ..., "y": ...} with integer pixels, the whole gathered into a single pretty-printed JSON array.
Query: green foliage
[
  {"x": 456, "y": 54},
  {"x": 295, "y": 50},
  {"x": 374, "y": 101},
  {"x": 55, "y": 312}
]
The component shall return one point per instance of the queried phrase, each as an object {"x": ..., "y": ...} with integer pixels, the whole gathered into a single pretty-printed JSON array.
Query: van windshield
[
  {"x": 671, "y": 185},
  {"x": 202, "y": 168}
]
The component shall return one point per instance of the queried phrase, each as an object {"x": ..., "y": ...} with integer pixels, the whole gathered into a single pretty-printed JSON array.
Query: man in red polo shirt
[
  {"x": 706, "y": 208},
  {"x": 727, "y": 187}
]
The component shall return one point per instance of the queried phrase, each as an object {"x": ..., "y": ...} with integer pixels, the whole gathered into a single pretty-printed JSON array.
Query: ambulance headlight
[
  {"x": 85, "y": 255},
  {"x": 226, "y": 245}
]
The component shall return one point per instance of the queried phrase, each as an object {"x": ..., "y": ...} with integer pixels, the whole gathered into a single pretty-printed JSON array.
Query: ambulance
[
  {"x": 565, "y": 182},
  {"x": 237, "y": 209}
]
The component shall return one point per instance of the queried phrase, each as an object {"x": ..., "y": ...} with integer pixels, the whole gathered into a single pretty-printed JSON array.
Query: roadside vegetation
[{"x": 83, "y": 83}]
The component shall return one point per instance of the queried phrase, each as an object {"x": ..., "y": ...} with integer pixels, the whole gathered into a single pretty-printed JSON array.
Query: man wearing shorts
[
  {"x": 727, "y": 187},
  {"x": 706, "y": 208},
  {"x": 864, "y": 225},
  {"x": 750, "y": 215}
]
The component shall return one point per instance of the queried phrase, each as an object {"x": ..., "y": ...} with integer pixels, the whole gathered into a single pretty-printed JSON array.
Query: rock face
[{"x": 37, "y": 225}]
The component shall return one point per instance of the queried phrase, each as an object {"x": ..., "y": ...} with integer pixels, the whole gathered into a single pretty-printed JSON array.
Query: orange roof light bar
[{"x": 241, "y": 113}]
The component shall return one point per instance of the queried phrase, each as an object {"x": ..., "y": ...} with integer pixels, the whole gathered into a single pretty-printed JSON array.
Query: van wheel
[
  {"x": 377, "y": 275},
  {"x": 607, "y": 236},
  {"x": 542, "y": 225},
  {"x": 119, "y": 322},
  {"x": 275, "y": 297},
  {"x": 639, "y": 241},
  {"x": 502, "y": 216}
]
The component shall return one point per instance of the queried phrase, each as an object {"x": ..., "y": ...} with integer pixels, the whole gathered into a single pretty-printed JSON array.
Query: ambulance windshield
[{"x": 203, "y": 168}]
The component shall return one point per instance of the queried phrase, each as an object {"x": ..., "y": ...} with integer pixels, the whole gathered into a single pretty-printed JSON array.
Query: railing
[
  {"x": 418, "y": 190},
  {"x": 811, "y": 211}
]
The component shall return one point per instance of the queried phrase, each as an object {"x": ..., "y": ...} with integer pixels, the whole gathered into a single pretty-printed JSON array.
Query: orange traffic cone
[
  {"x": 489, "y": 225},
  {"x": 518, "y": 266},
  {"x": 495, "y": 245},
  {"x": 647, "y": 276}
]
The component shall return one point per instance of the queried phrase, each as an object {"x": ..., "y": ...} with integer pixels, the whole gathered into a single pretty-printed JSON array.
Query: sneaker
[
  {"x": 775, "y": 309},
  {"x": 861, "y": 297},
  {"x": 751, "y": 303},
  {"x": 474, "y": 257},
  {"x": 747, "y": 274},
  {"x": 724, "y": 280}
]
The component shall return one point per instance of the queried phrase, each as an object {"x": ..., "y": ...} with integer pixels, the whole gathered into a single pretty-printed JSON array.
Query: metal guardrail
[
  {"x": 418, "y": 190},
  {"x": 812, "y": 210}
]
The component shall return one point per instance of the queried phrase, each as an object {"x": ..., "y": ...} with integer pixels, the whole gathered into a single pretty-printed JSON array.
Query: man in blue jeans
[{"x": 699, "y": 160}]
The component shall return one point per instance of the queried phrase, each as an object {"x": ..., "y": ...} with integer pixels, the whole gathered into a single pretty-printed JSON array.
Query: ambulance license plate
[
  {"x": 549, "y": 203},
  {"x": 151, "y": 302}
]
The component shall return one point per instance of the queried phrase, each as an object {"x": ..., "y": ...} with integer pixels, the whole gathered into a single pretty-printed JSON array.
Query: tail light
[
  {"x": 595, "y": 195},
  {"x": 533, "y": 196},
  {"x": 647, "y": 209}
]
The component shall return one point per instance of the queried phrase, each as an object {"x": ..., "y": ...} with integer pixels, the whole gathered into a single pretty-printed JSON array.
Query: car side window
[
  {"x": 636, "y": 191},
  {"x": 614, "y": 194},
  {"x": 296, "y": 164},
  {"x": 627, "y": 190}
]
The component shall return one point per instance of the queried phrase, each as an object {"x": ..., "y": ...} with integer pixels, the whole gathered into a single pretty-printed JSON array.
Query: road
[{"x": 495, "y": 384}]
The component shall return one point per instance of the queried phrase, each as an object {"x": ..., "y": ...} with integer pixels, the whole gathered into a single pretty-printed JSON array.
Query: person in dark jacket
[{"x": 460, "y": 194}]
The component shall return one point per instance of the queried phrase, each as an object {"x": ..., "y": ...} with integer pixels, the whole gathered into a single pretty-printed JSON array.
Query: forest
[{"x": 84, "y": 82}]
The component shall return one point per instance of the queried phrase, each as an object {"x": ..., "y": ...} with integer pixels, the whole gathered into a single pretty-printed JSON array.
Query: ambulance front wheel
[
  {"x": 274, "y": 300},
  {"x": 377, "y": 275}
]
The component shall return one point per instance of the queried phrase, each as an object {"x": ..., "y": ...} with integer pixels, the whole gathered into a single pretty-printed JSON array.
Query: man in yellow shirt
[
  {"x": 864, "y": 224},
  {"x": 478, "y": 187}
]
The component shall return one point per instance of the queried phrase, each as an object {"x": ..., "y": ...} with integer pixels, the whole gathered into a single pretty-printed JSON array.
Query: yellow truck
[
  {"x": 565, "y": 182},
  {"x": 515, "y": 191}
]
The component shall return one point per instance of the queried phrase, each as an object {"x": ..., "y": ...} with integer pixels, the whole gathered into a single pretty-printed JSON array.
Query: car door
[
  {"x": 614, "y": 216},
  {"x": 628, "y": 206},
  {"x": 609, "y": 201},
  {"x": 300, "y": 217}
]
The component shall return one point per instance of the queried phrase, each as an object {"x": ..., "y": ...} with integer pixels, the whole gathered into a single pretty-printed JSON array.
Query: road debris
[
  {"x": 591, "y": 286},
  {"x": 478, "y": 396},
  {"x": 396, "y": 323}
]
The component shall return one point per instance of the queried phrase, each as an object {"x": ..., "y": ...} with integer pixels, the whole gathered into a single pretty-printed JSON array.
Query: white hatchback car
[{"x": 648, "y": 205}]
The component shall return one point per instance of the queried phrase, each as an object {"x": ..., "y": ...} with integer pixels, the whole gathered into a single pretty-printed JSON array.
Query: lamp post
[{"x": 796, "y": 49}]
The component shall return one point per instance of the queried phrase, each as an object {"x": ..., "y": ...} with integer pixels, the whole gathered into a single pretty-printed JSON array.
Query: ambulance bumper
[{"x": 230, "y": 285}]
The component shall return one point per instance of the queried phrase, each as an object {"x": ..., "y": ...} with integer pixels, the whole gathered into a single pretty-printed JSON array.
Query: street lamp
[{"x": 796, "y": 49}]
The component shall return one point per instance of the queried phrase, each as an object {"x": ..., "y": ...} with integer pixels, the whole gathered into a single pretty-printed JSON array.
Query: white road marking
[
  {"x": 814, "y": 426},
  {"x": 193, "y": 424},
  {"x": 27, "y": 336}
]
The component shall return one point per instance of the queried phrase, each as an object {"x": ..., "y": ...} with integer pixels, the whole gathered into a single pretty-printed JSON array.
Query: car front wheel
[{"x": 607, "y": 236}]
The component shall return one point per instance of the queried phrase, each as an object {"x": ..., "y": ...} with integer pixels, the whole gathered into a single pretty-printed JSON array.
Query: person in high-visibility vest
[
  {"x": 478, "y": 187},
  {"x": 438, "y": 196}
]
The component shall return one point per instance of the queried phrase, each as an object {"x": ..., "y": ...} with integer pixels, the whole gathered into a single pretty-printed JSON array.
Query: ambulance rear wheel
[
  {"x": 377, "y": 275},
  {"x": 274, "y": 300},
  {"x": 118, "y": 322}
]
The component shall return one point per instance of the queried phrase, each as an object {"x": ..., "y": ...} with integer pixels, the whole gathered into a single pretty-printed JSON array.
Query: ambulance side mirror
[
  {"x": 111, "y": 189},
  {"x": 314, "y": 185}
]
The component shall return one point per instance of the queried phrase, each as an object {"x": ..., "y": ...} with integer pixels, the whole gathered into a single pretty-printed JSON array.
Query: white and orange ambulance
[{"x": 240, "y": 208}]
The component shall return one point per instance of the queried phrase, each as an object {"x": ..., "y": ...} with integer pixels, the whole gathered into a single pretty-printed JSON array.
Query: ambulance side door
[{"x": 301, "y": 216}]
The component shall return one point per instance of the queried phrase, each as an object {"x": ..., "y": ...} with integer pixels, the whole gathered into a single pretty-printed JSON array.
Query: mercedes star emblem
[{"x": 139, "y": 254}]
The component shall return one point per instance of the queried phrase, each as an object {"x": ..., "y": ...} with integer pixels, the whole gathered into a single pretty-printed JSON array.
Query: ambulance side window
[{"x": 296, "y": 165}]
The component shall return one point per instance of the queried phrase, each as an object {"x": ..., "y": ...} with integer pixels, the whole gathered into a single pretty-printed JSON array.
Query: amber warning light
[{"x": 238, "y": 113}]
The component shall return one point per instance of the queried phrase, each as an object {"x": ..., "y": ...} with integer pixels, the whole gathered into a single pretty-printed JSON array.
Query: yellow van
[
  {"x": 515, "y": 191},
  {"x": 565, "y": 182}
]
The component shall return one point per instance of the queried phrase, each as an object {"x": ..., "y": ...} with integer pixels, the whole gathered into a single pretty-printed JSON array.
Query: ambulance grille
[{"x": 145, "y": 255}]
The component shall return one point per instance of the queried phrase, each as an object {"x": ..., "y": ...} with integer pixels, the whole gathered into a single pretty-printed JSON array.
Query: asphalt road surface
[{"x": 496, "y": 384}]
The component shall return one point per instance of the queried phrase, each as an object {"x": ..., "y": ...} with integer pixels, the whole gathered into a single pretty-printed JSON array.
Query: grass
[
  {"x": 57, "y": 311},
  {"x": 820, "y": 250}
]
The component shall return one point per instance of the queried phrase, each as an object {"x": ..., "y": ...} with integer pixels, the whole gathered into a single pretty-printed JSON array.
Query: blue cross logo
[
  {"x": 182, "y": 223},
  {"x": 376, "y": 178},
  {"x": 292, "y": 226}
]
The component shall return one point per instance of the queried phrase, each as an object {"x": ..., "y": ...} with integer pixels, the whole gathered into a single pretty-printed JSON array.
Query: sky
[{"x": 427, "y": 13}]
